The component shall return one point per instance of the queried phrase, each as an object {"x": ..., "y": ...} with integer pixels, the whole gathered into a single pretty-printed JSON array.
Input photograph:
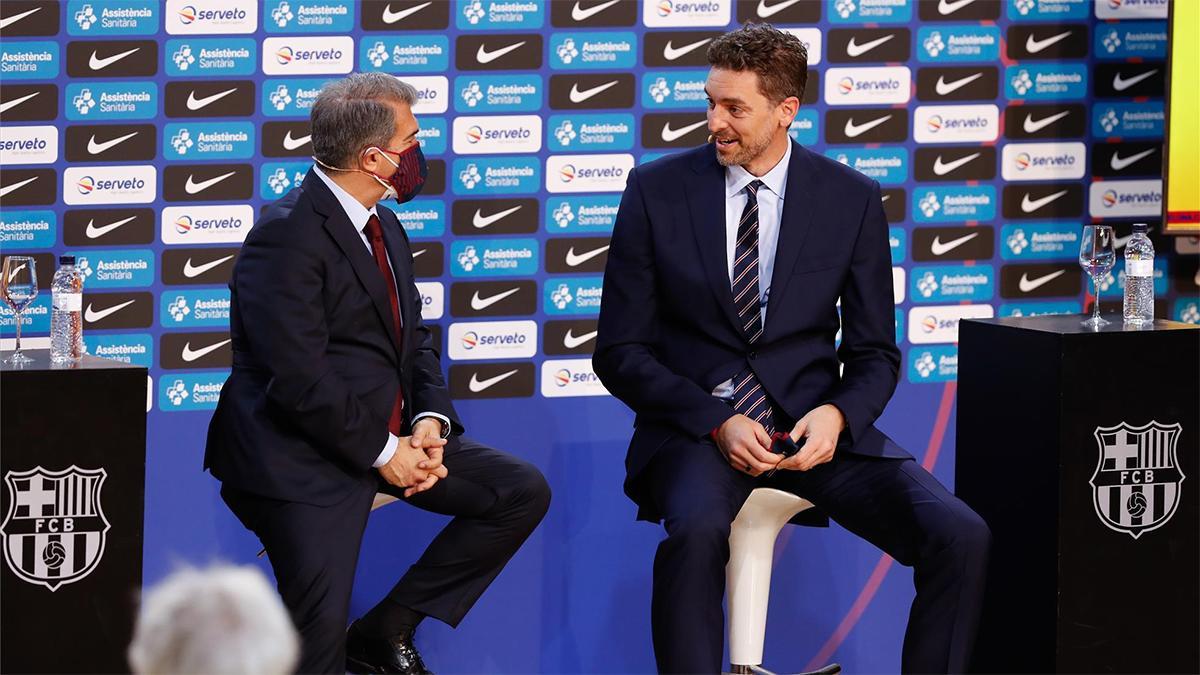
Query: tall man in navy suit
[
  {"x": 717, "y": 328},
  {"x": 337, "y": 393}
]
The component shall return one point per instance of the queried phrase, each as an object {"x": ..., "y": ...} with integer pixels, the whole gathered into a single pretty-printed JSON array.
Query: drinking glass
[
  {"x": 1096, "y": 257},
  {"x": 18, "y": 287}
]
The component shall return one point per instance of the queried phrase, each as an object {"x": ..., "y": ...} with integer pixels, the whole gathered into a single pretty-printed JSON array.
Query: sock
[{"x": 390, "y": 618}]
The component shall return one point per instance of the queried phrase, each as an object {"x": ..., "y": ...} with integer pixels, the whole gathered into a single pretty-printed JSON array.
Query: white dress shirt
[
  {"x": 770, "y": 214},
  {"x": 359, "y": 215}
]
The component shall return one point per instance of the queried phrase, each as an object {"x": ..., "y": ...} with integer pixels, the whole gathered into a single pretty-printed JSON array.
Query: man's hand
[
  {"x": 427, "y": 436},
  {"x": 746, "y": 445},
  {"x": 822, "y": 426},
  {"x": 417, "y": 464}
]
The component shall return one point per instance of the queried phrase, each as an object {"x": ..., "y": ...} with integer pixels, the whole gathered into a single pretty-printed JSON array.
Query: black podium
[
  {"x": 74, "y": 468},
  {"x": 1080, "y": 450}
]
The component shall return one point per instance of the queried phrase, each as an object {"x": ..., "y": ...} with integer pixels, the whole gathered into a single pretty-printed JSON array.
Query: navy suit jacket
[
  {"x": 669, "y": 331},
  {"x": 316, "y": 367}
]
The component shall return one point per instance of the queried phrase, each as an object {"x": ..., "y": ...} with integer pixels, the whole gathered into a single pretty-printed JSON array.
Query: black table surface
[
  {"x": 41, "y": 361},
  {"x": 1071, "y": 324}
]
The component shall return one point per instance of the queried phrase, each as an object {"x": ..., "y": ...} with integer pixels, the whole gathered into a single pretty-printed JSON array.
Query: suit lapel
[
  {"x": 706, "y": 188},
  {"x": 798, "y": 203}
]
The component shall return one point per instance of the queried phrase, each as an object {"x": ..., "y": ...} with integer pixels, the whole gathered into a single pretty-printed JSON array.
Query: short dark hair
[
  {"x": 778, "y": 58},
  {"x": 352, "y": 113}
]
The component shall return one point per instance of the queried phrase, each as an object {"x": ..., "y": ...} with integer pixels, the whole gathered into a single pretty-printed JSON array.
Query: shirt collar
[
  {"x": 737, "y": 178},
  {"x": 358, "y": 214}
]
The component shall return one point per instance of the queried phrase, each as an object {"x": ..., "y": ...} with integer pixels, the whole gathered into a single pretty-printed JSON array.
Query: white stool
[{"x": 748, "y": 574}]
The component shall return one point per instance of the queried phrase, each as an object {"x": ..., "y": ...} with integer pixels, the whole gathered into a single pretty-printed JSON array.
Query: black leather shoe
[{"x": 396, "y": 654}]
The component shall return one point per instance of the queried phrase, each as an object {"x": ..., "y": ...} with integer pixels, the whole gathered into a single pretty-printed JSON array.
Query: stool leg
[{"x": 748, "y": 582}]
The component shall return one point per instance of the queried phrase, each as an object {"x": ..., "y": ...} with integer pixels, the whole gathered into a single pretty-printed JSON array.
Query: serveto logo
[
  {"x": 433, "y": 299},
  {"x": 28, "y": 229},
  {"x": 1054, "y": 82},
  {"x": 952, "y": 44},
  {"x": 954, "y": 204},
  {"x": 209, "y": 140},
  {"x": 211, "y": 17},
  {"x": 106, "y": 269},
  {"x": 952, "y": 283},
  {"x": 498, "y": 93},
  {"x": 570, "y": 377},
  {"x": 1117, "y": 198},
  {"x": 1043, "y": 161},
  {"x": 674, "y": 89},
  {"x": 111, "y": 101},
  {"x": 1039, "y": 241},
  {"x": 493, "y": 340},
  {"x": 196, "y": 57},
  {"x": 593, "y": 51},
  {"x": 888, "y": 166},
  {"x": 110, "y": 185},
  {"x": 1128, "y": 120},
  {"x": 190, "y": 391},
  {"x": 686, "y": 13},
  {"x": 309, "y": 16},
  {"x": 191, "y": 308},
  {"x": 410, "y": 54},
  {"x": 433, "y": 94},
  {"x": 1131, "y": 9},
  {"x": 933, "y": 364},
  {"x": 497, "y": 134},
  {"x": 29, "y": 60},
  {"x": 856, "y": 86},
  {"x": 499, "y": 14},
  {"x": 496, "y": 175},
  {"x": 113, "y": 17},
  {"x": 587, "y": 173},
  {"x": 308, "y": 55},
  {"x": 28, "y": 145},
  {"x": 939, "y": 324},
  {"x": 956, "y": 123},
  {"x": 224, "y": 224},
  {"x": 582, "y": 213},
  {"x": 493, "y": 257},
  {"x": 573, "y": 295},
  {"x": 1123, "y": 41}
]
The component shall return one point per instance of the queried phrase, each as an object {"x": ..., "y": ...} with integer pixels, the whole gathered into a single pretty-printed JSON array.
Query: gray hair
[
  {"x": 224, "y": 620},
  {"x": 352, "y": 114}
]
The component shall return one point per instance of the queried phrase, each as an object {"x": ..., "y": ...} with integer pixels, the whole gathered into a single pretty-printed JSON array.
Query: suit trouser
[
  {"x": 496, "y": 500},
  {"x": 892, "y": 503}
]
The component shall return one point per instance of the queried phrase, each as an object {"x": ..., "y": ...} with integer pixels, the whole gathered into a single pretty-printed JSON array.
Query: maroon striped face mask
[{"x": 410, "y": 174}]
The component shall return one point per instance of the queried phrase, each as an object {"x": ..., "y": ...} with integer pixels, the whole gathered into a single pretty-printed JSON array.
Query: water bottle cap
[
  {"x": 1140, "y": 227},
  {"x": 66, "y": 260}
]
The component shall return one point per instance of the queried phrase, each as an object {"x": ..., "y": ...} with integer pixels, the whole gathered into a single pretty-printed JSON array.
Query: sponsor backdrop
[{"x": 144, "y": 137}]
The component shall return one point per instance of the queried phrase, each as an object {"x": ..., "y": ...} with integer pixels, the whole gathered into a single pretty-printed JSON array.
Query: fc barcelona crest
[
  {"x": 1137, "y": 481},
  {"x": 55, "y": 527}
]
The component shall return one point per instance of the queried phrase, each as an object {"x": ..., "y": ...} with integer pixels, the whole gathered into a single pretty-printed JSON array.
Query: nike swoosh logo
[
  {"x": 481, "y": 221},
  {"x": 484, "y": 56},
  {"x": 766, "y": 11},
  {"x": 1034, "y": 46},
  {"x": 93, "y": 317},
  {"x": 1026, "y": 284},
  {"x": 574, "y": 260},
  {"x": 100, "y": 64},
  {"x": 290, "y": 143},
  {"x": 1033, "y": 126},
  {"x": 194, "y": 103},
  {"x": 1122, "y": 84},
  {"x": 942, "y": 169},
  {"x": 671, "y": 52},
  {"x": 946, "y": 7},
  {"x": 669, "y": 135},
  {"x": 853, "y": 130},
  {"x": 5, "y": 107},
  {"x": 477, "y": 385},
  {"x": 419, "y": 252},
  {"x": 94, "y": 232},
  {"x": 580, "y": 14},
  {"x": 5, "y": 23},
  {"x": 944, "y": 88},
  {"x": 938, "y": 247},
  {"x": 97, "y": 148},
  {"x": 192, "y": 187},
  {"x": 392, "y": 17},
  {"x": 1030, "y": 205},
  {"x": 1119, "y": 163},
  {"x": 479, "y": 304},
  {"x": 571, "y": 341},
  {"x": 854, "y": 49},
  {"x": 14, "y": 186},
  {"x": 581, "y": 96},
  {"x": 190, "y": 354},
  {"x": 192, "y": 271}
]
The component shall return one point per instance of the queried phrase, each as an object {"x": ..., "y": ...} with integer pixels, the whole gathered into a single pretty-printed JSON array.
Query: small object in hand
[{"x": 782, "y": 445}]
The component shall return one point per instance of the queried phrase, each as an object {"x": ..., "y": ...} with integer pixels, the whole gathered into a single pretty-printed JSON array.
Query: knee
[
  {"x": 964, "y": 533},
  {"x": 530, "y": 493},
  {"x": 699, "y": 534}
]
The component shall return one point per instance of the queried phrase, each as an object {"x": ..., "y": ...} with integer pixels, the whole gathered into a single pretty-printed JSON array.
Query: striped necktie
[{"x": 749, "y": 397}]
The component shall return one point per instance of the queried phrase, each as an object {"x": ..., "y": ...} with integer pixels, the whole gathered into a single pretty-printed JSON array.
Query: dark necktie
[
  {"x": 375, "y": 235},
  {"x": 749, "y": 397}
]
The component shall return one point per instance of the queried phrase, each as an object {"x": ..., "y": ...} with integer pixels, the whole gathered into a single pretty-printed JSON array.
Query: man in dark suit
[
  {"x": 718, "y": 327},
  {"x": 337, "y": 393}
]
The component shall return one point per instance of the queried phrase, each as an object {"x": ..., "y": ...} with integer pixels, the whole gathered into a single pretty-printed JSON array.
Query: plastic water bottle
[
  {"x": 1139, "y": 277},
  {"x": 66, "y": 316}
]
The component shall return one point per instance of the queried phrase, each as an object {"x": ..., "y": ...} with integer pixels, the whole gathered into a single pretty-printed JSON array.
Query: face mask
[{"x": 406, "y": 182}]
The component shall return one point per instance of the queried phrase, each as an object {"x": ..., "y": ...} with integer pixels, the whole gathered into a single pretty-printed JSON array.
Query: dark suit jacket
[
  {"x": 669, "y": 331},
  {"x": 305, "y": 411}
]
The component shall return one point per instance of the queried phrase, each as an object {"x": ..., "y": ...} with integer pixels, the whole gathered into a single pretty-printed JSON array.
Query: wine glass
[
  {"x": 1096, "y": 257},
  {"x": 19, "y": 287}
]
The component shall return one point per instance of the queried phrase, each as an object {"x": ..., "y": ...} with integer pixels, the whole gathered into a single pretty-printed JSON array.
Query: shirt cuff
[
  {"x": 389, "y": 449},
  {"x": 441, "y": 418}
]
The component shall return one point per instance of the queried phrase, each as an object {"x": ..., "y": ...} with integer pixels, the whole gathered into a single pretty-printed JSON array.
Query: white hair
[{"x": 223, "y": 620}]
